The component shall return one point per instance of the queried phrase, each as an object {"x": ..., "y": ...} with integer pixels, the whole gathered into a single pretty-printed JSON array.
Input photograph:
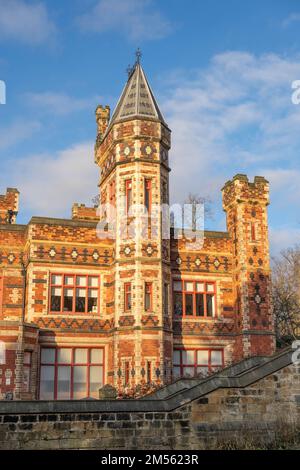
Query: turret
[
  {"x": 245, "y": 204},
  {"x": 9, "y": 206}
]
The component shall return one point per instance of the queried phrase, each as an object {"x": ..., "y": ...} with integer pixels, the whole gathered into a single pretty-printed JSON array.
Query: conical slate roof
[{"x": 137, "y": 99}]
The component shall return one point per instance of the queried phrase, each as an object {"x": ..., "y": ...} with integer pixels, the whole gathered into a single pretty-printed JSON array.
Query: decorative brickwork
[{"x": 67, "y": 285}]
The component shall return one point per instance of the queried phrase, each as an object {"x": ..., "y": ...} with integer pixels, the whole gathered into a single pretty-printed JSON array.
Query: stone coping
[{"x": 244, "y": 376}]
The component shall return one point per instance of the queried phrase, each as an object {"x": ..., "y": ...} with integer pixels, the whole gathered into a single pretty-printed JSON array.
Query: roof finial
[{"x": 138, "y": 55}]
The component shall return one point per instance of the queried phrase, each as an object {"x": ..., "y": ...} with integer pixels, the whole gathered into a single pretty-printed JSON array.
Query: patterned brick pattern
[{"x": 236, "y": 261}]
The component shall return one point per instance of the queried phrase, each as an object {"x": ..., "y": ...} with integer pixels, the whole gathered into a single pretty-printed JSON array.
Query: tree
[
  {"x": 195, "y": 200},
  {"x": 286, "y": 295}
]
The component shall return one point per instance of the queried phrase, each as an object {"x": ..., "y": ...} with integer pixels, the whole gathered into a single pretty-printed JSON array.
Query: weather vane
[{"x": 138, "y": 55}]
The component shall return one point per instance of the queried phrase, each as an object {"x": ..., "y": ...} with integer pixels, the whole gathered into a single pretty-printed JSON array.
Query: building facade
[{"x": 113, "y": 295}]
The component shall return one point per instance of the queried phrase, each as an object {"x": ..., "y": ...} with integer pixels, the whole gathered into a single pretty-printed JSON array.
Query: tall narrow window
[
  {"x": 148, "y": 296},
  {"x": 127, "y": 289},
  {"x": 26, "y": 370},
  {"x": 148, "y": 195},
  {"x": 166, "y": 299},
  {"x": 127, "y": 373},
  {"x": 149, "y": 371},
  {"x": 253, "y": 232},
  {"x": 128, "y": 190},
  {"x": 1, "y": 294}
]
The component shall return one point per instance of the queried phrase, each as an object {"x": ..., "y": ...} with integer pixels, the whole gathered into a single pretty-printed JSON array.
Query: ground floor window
[
  {"x": 193, "y": 362},
  {"x": 71, "y": 373}
]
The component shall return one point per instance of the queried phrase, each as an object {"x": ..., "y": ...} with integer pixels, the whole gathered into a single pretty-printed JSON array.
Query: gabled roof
[{"x": 137, "y": 99}]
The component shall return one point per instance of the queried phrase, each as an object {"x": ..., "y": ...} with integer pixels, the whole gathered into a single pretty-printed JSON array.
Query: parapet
[
  {"x": 82, "y": 212},
  {"x": 240, "y": 189}
]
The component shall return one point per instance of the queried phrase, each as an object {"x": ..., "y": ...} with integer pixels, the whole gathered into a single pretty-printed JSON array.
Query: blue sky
[{"x": 222, "y": 74}]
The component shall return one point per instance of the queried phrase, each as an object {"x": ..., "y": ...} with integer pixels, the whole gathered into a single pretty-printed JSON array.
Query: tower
[
  {"x": 132, "y": 152},
  {"x": 245, "y": 204}
]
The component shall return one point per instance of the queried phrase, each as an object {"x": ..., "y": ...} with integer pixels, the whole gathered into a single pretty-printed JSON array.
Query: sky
[{"x": 222, "y": 73}]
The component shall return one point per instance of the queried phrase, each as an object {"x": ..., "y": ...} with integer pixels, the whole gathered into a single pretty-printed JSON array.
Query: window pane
[
  {"x": 199, "y": 305},
  {"x": 200, "y": 287},
  {"x": 26, "y": 378},
  {"x": 47, "y": 383},
  {"x": 202, "y": 371},
  {"x": 69, "y": 280},
  {"x": 189, "y": 304},
  {"x": 93, "y": 301},
  {"x": 176, "y": 357},
  {"x": 96, "y": 380},
  {"x": 93, "y": 281},
  {"x": 55, "y": 299},
  {"x": 177, "y": 286},
  {"x": 48, "y": 356},
  {"x": 96, "y": 356},
  {"x": 81, "y": 281},
  {"x": 64, "y": 356},
  {"x": 147, "y": 301},
  {"x": 56, "y": 279},
  {"x": 81, "y": 356},
  {"x": 202, "y": 357},
  {"x": 68, "y": 300},
  {"x": 80, "y": 300},
  {"x": 210, "y": 287},
  {"x": 210, "y": 305},
  {"x": 216, "y": 358},
  {"x": 188, "y": 357},
  {"x": 176, "y": 372},
  {"x": 188, "y": 371},
  {"x": 80, "y": 382},
  {"x": 178, "y": 303},
  {"x": 189, "y": 286},
  {"x": 64, "y": 383}
]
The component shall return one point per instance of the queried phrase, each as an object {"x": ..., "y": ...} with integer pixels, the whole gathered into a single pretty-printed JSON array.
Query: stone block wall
[{"x": 257, "y": 405}]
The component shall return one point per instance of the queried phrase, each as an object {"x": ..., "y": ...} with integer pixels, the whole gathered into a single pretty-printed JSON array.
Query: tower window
[
  {"x": 127, "y": 373},
  {"x": 166, "y": 299},
  {"x": 128, "y": 190},
  {"x": 148, "y": 296},
  {"x": 149, "y": 371},
  {"x": 148, "y": 195},
  {"x": 127, "y": 292},
  {"x": 193, "y": 298},
  {"x": 253, "y": 232}
]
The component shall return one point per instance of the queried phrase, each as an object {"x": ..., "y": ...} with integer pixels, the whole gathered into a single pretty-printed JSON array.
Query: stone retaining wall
[{"x": 257, "y": 414}]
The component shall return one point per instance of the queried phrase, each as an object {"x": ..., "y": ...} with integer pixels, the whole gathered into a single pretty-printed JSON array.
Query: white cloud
[
  {"x": 235, "y": 116},
  {"x": 17, "y": 132},
  {"x": 25, "y": 21},
  {"x": 50, "y": 184},
  {"x": 59, "y": 103},
  {"x": 136, "y": 19},
  {"x": 283, "y": 238},
  {"x": 292, "y": 18}
]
